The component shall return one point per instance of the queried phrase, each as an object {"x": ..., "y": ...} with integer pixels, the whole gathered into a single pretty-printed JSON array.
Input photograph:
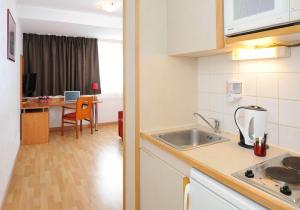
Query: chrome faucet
[{"x": 216, "y": 127}]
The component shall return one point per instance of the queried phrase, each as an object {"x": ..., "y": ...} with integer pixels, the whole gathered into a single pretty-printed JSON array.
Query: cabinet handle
[
  {"x": 186, "y": 197},
  {"x": 186, "y": 191}
]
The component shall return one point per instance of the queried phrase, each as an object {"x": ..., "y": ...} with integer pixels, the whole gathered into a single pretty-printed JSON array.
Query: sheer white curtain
[{"x": 111, "y": 67}]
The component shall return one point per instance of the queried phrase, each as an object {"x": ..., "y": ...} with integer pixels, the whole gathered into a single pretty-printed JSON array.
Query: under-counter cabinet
[
  {"x": 161, "y": 185},
  {"x": 194, "y": 26},
  {"x": 164, "y": 180}
]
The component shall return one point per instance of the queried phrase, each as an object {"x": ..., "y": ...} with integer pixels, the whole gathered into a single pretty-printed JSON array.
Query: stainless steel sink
[{"x": 188, "y": 139}]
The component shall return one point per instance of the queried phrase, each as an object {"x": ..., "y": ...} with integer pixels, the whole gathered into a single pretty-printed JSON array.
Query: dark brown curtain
[{"x": 61, "y": 63}]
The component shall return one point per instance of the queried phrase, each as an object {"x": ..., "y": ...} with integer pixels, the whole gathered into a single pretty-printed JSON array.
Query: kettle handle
[{"x": 236, "y": 114}]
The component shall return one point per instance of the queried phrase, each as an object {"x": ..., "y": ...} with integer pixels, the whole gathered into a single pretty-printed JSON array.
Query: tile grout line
[{"x": 254, "y": 96}]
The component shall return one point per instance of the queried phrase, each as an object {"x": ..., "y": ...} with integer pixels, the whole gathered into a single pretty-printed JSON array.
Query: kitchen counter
[{"x": 220, "y": 160}]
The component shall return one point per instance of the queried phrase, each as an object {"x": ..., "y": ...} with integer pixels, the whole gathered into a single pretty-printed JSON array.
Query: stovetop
[{"x": 265, "y": 177}]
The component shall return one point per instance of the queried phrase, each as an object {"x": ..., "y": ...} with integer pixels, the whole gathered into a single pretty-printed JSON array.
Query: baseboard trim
[
  {"x": 10, "y": 178},
  {"x": 84, "y": 126}
]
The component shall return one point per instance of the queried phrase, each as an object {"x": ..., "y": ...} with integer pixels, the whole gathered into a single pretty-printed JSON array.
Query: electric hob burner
[
  {"x": 292, "y": 162},
  {"x": 286, "y": 175},
  {"x": 279, "y": 176}
]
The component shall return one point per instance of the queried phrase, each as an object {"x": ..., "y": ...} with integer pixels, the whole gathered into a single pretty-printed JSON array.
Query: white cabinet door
[
  {"x": 202, "y": 198},
  {"x": 161, "y": 185},
  {"x": 191, "y": 26},
  {"x": 207, "y": 193}
]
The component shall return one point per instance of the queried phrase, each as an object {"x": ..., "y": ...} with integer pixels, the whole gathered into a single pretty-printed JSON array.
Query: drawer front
[{"x": 35, "y": 127}]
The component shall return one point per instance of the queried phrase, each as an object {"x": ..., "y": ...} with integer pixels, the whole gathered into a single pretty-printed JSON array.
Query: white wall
[
  {"x": 9, "y": 90},
  {"x": 108, "y": 110},
  {"x": 272, "y": 83},
  {"x": 167, "y": 84}
]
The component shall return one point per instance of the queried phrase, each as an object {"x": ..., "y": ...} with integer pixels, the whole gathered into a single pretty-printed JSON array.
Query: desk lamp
[{"x": 95, "y": 87}]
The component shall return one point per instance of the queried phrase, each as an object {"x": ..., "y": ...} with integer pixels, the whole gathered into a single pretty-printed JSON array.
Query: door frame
[{"x": 131, "y": 105}]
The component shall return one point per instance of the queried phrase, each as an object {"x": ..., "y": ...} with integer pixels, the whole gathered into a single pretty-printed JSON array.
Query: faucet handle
[
  {"x": 215, "y": 119},
  {"x": 217, "y": 122}
]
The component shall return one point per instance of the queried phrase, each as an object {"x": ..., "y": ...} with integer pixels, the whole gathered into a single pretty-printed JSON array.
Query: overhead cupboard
[
  {"x": 198, "y": 28},
  {"x": 194, "y": 26}
]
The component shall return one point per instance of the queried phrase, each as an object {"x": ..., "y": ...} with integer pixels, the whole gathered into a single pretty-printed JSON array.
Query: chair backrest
[{"x": 84, "y": 108}]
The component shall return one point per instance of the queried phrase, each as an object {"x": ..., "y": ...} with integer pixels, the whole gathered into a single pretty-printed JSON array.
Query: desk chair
[{"x": 83, "y": 111}]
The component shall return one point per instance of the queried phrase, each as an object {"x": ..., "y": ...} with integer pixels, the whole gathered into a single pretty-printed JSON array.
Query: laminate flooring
[{"x": 69, "y": 173}]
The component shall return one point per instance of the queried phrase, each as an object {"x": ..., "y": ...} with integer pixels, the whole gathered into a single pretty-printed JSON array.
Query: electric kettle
[{"x": 252, "y": 125}]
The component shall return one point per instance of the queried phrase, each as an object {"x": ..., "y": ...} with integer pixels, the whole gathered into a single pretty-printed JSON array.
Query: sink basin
[{"x": 188, "y": 139}]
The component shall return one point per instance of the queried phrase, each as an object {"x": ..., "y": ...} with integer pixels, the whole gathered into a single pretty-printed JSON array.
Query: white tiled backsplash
[{"x": 272, "y": 83}]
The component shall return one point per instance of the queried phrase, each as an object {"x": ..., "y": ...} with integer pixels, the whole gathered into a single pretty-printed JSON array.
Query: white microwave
[{"x": 244, "y": 16}]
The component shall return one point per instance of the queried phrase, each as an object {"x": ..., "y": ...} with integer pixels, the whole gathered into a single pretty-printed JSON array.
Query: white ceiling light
[{"x": 109, "y": 5}]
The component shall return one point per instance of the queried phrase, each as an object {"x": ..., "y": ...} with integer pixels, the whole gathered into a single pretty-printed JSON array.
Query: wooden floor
[{"x": 69, "y": 174}]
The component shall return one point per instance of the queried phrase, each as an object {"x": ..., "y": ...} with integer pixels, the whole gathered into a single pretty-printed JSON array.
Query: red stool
[{"x": 120, "y": 124}]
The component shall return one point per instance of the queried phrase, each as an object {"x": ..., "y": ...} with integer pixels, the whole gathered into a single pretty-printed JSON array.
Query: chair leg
[
  {"x": 62, "y": 127},
  {"x": 80, "y": 125},
  {"x": 92, "y": 121},
  {"x": 62, "y": 121},
  {"x": 92, "y": 127},
  {"x": 77, "y": 130}
]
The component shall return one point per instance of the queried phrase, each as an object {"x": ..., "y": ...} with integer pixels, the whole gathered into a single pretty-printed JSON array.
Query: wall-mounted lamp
[{"x": 260, "y": 53}]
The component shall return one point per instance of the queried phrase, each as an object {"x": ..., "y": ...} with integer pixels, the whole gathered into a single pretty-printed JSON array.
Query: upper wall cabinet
[{"x": 194, "y": 26}]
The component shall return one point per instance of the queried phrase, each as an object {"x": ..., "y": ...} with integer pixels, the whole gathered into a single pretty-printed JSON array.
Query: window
[{"x": 111, "y": 67}]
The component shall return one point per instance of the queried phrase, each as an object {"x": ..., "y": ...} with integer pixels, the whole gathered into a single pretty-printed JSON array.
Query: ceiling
[
  {"x": 76, "y": 5},
  {"x": 35, "y": 18},
  {"x": 69, "y": 29}
]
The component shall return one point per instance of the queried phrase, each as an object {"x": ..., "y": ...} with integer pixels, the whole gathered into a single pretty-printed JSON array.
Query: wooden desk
[
  {"x": 35, "y": 118},
  {"x": 36, "y": 104}
]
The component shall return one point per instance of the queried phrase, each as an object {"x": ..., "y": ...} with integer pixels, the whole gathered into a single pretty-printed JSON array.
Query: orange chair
[{"x": 83, "y": 111}]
